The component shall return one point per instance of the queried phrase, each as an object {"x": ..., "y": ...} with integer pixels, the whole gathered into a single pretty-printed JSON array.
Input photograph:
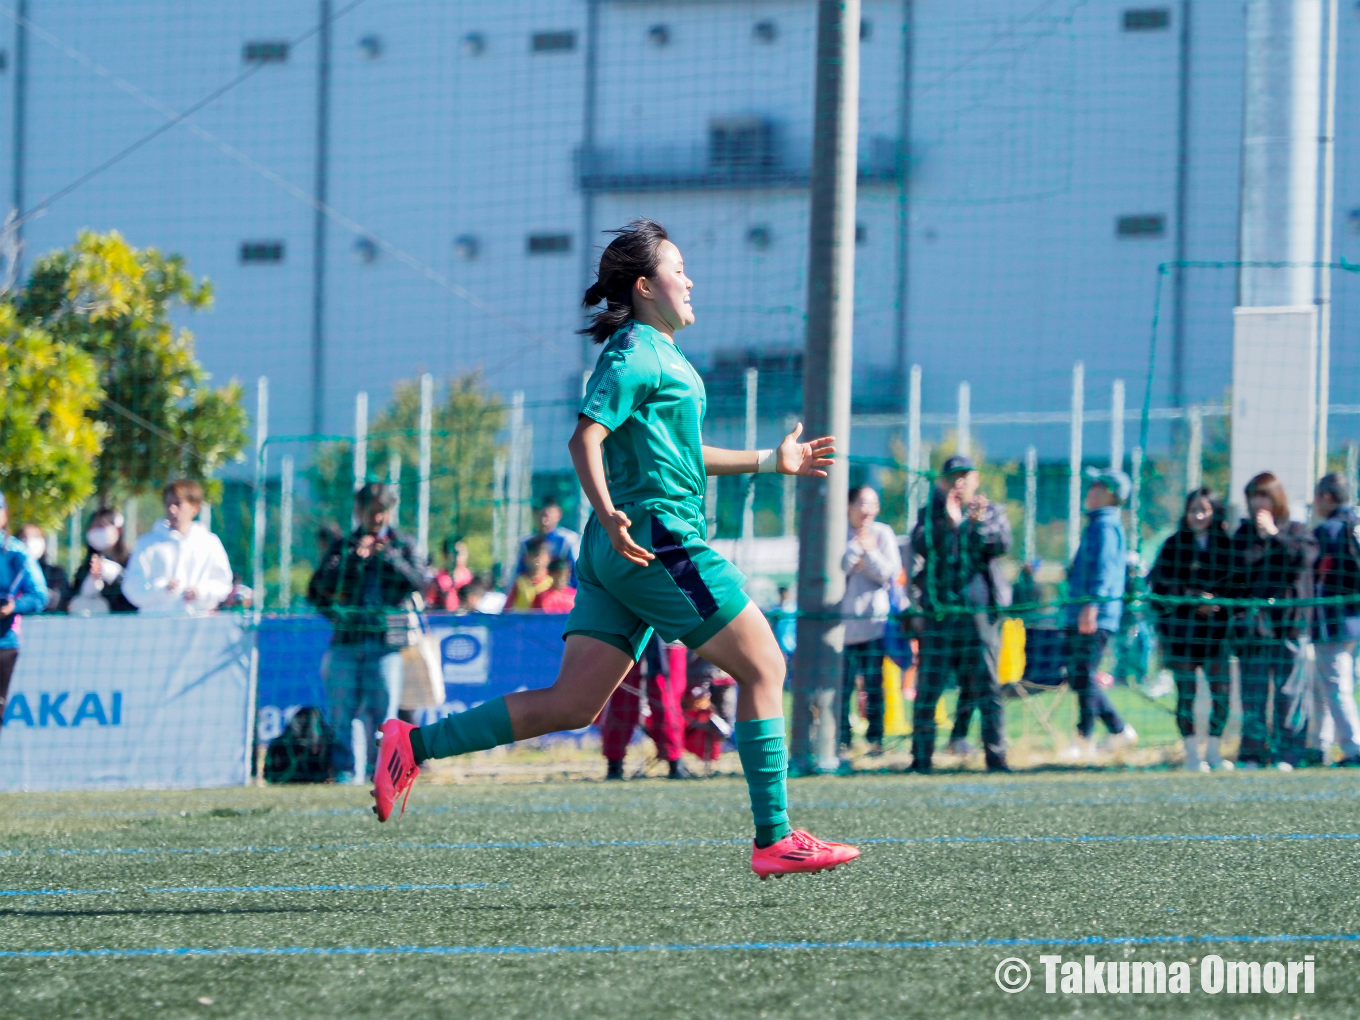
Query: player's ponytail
[{"x": 635, "y": 252}]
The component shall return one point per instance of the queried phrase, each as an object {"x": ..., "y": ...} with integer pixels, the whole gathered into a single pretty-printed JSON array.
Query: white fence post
[
  {"x": 748, "y": 510},
  {"x": 285, "y": 533},
  {"x": 261, "y": 507},
  {"x": 964, "y": 424},
  {"x": 1117, "y": 425},
  {"x": 1074, "y": 461},
  {"x": 913, "y": 447},
  {"x": 1194, "y": 454},
  {"x": 1031, "y": 500},
  {"x": 423, "y": 492}
]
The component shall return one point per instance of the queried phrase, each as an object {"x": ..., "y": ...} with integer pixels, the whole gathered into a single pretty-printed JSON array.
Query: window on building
[
  {"x": 365, "y": 249},
  {"x": 467, "y": 247},
  {"x": 474, "y": 44},
  {"x": 549, "y": 244},
  {"x": 659, "y": 35},
  {"x": 372, "y": 45},
  {"x": 741, "y": 143},
  {"x": 866, "y": 29},
  {"x": 553, "y": 42},
  {"x": 261, "y": 251},
  {"x": 265, "y": 52},
  {"x": 759, "y": 237},
  {"x": 1146, "y": 19},
  {"x": 1147, "y": 225},
  {"x": 861, "y": 233},
  {"x": 765, "y": 31}
]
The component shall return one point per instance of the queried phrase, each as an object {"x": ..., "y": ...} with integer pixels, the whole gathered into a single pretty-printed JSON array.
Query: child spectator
[
  {"x": 98, "y": 583},
  {"x": 533, "y": 577},
  {"x": 442, "y": 592},
  {"x": 179, "y": 566},
  {"x": 1095, "y": 592},
  {"x": 561, "y": 597}
]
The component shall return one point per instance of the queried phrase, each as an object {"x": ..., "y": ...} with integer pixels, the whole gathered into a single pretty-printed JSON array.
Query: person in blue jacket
[
  {"x": 1095, "y": 592},
  {"x": 23, "y": 592}
]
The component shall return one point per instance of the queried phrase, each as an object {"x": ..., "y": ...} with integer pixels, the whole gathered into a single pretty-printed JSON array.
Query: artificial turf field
[{"x": 519, "y": 900}]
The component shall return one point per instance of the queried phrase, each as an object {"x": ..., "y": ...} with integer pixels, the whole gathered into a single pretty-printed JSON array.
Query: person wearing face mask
[
  {"x": 870, "y": 562},
  {"x": 98, "y": 584},
  {"x": 179, "y": 566},
  {"x": 1191, "y": 569},
  {"x": 23, "y": 592},
  {"x": 1273, "y": 560},
  {"x": 58, "y": 585}
]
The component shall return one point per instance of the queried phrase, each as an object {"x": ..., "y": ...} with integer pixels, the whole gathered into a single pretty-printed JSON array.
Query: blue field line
[
  {"x": 550, "y": 844},
  {"x": 682, "y": 947},
  {"x": 253, "y": 889}
]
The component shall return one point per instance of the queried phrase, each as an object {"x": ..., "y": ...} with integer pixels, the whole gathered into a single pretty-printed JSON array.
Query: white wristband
[{"x": 767, "y": 463}]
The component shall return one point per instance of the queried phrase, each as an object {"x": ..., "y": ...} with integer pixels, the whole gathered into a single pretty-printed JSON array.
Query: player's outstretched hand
[
  {"x": 809, "y": 458},
  {"x": 617, "y": 524}
]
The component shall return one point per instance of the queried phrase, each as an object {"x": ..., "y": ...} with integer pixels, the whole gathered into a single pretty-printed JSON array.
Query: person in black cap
[{"x": 958, "y": 543}]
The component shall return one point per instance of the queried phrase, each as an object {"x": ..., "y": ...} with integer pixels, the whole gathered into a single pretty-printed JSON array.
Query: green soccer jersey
[{"x": 645, "y": 391}]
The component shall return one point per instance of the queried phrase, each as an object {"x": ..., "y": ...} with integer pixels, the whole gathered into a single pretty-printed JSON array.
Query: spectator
[
  {"x": 871, "y": 562},
  {"x": 58, "y": 585},
  {"x": 443, "y": 589},
  {"x": 533, "y": 577},
  {"x": 98, "y": 583},
  {"x": 562, "y": 544},
  {"x": 650, "y": 677},
  {"x": 958, "y": 541},
  {"x": 561, "y": 597},
  {"x": 786, "y": 623},
  {"x": 1194, "y": 564},
  {"x": 486, "y": 599},
  {"x": 1336, "y": 627},
  {"x": 1095, "y": 593},
  {"x": 361, "y": 580},
  {"x": 326, "y": 536},
  {"x": 23, "y": 592},
  {"x": 179, "y": 566},
  {"x": 1273, "y": 558}
]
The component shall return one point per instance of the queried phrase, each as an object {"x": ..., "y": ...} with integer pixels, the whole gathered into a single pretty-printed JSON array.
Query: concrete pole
[
  {"x": 1281, "y": 122},
  {"x": 914, "y": 486},
  {"x": 1194, "y": 454},
  {"x": 826, "y": 382},
  {"x": 1327, "y": 154},
  {"x": 285, "y": 534},
  {"x": 1352, "y": 467},
  {"x": 1074, "y": 461},
  {"x": 1117, "y": 425},
  {"x": 963, "y": 421},
  {"x": 1031, "y": 501},
  {"x": 748, "y": 510},
  {"x": 261, "y": 507},
  {"x": 423, "y": 492}
]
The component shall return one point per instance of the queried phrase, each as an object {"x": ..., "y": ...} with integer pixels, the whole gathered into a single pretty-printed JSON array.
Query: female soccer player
[{"x": 644, "y": 563}]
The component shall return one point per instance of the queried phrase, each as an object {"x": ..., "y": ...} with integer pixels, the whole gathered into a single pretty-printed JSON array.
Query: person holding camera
[
  {"x": 361, "y": 581},
  {"x": 959, "y": 541}
]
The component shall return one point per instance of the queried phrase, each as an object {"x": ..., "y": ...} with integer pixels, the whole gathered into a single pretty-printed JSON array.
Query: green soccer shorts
[{"x": 688, "y": 593}]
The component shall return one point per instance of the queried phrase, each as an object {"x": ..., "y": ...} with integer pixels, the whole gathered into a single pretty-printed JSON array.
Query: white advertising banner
[{"x": 127, "y": 701}]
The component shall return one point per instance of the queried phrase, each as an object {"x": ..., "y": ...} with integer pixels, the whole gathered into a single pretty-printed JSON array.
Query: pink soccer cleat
[
  {"x": 395, "y": 770},
  {"x": 799, "y": 852}
]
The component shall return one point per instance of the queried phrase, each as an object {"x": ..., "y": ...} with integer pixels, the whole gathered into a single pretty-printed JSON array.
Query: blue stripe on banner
[
  {"x": 624, "y": 843},
  {"x": 695, "y": 947},
  {"x": 251, "y": 889}
]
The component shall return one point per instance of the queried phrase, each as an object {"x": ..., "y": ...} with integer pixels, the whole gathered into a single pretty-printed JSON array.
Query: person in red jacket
[{"x": 561, "y": 597}]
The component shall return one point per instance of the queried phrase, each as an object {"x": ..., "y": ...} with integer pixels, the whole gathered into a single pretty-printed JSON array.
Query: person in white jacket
[
  {"x": 179, "y": 566},
  {"x": 871, "y": 563}
]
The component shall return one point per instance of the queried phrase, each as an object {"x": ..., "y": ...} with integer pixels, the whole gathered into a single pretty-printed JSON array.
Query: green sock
[
  {"x": 765, "y": 760},
  {"x": 487, "y": 725}
]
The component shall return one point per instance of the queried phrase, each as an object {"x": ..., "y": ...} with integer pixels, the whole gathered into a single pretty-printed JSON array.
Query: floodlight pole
[
  {"x": 1074, "y": 461},
  {"x": 261, "y": 507},
  {"x": 826, "y": 384},
  {"x": 286, "y": 532}
]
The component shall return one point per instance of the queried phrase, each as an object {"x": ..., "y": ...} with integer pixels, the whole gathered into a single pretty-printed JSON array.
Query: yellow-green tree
[
  {"x": 159, "y": 417},
  {"x": 49, "y": 439}
]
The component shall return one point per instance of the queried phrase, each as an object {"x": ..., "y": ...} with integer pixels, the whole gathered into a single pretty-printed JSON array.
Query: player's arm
[
  {"x": 791, "y": 457},
  {"x": 588, "y": 459}
]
